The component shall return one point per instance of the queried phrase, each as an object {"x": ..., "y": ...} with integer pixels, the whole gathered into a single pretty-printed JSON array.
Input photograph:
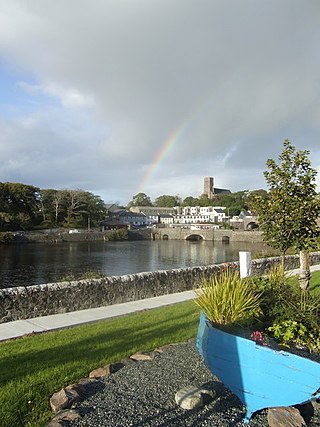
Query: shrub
[
  {"x": 290, "y": 315},
  {"x": 6, "y": 237},
  {"x": 121, "y": 234},
  {"x": 227, "y": 300}
]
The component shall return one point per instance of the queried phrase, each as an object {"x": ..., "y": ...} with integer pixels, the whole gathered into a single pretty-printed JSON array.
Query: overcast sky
[{"x": 121, "y": 96}]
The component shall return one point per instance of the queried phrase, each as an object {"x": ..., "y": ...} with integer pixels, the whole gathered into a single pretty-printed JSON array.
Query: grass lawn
[
  {"x": 32, "y": 368},
  {"x": 315, "y": 283},
  {"x": 314, "y": 286}
]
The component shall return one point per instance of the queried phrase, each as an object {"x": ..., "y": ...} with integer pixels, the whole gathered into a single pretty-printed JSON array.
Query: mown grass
[
  {"x": 34, "y": 367},
  {"x": 314, "y": 286}
]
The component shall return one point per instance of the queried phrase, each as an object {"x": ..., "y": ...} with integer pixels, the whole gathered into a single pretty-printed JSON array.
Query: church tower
[{"x": 208, "y": 186}]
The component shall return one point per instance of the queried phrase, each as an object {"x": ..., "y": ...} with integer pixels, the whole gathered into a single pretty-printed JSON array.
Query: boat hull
[{"x": 260, "y": 376}]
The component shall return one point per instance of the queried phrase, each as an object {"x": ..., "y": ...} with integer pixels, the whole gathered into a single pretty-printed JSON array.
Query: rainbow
[{"x": 166, "y": 147}]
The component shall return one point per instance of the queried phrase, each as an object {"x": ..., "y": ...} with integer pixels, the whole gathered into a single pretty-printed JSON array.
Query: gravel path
[{"x": 142, "y": 395}]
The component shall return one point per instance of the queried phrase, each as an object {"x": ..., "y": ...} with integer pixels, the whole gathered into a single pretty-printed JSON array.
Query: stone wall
[{"x": 41, "y": 300}]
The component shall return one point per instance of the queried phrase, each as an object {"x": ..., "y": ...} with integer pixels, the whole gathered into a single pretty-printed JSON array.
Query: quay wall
[{"x": 52, "y": 298}]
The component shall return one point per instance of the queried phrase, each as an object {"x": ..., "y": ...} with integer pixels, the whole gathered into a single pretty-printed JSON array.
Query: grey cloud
[{"x": 237, "y": 77}]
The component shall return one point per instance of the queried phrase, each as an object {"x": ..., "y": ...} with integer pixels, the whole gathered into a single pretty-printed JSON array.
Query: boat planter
[{"x": 260, "y": 376}]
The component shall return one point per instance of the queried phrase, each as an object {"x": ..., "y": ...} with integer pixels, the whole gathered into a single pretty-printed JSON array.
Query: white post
[{"x": 245, "y": 264}]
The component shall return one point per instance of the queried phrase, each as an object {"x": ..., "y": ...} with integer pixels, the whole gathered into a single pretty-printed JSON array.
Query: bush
[
  {"x": 275, "y": 305},
  {"x": 114, "y": 235},
  {"x": 6, "y": 237},
  {"x": 291, "y": 315},
  {"x": 228, "y": 301}
]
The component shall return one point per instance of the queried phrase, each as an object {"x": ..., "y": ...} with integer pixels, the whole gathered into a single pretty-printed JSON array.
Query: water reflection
[{"x": 33, "y": 263}]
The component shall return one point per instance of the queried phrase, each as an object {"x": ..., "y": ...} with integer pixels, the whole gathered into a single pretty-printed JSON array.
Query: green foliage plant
[
  {"x": 114, "y": 235},
  {"x": 288, "y": 215},
  {"x": 228, "y": 300},
  {"x": 290, "y": 315},
  {"x": 290, "y": 333},
  {"x": 6, "y": 237}
]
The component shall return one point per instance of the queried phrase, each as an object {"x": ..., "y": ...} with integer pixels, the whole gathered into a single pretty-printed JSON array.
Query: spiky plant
[{"x": 229, "y": 300}]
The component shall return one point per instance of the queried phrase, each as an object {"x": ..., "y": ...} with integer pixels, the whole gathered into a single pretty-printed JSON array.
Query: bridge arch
[
  {"x": 194, "y": 237},
  {"x": 165, "y": 237},
  {"x": 252, "y": 226},
  {"x": 225, "y": 239}
]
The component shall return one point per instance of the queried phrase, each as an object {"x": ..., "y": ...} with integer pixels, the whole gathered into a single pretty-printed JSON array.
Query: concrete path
[
  {"x": 58, "y": 321},
  {"x": 19, "y": 328}
]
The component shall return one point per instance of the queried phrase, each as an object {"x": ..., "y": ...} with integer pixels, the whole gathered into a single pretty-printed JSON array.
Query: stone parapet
[{"x": 53, "y": 298}]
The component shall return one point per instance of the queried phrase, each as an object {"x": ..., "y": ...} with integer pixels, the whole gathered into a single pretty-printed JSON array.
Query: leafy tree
[
  {"x": 20, "y": 206},
  {"x": 95, "y": 210},
  {"x": 167, "y": 201},
  {"x": 190, "y": 201},
  {"x": 140, "y": 199},
  {"x": 234, "y": 202},
  {"x": 288, "y": 216},
  {"x": 205, "y": 201},
  {"x": 253, "y": 194}
]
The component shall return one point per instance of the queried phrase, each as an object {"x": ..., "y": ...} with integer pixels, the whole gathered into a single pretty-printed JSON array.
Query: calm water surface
[{"x": 36, "y": 263}]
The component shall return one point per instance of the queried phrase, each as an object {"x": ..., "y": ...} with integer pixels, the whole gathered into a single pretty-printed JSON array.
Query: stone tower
[{"x": 208, "y": 186}]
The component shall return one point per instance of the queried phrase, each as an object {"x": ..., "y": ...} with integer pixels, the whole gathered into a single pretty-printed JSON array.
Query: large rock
[
  {"x": 285, "y": 417},
  {"x": 82, "y": 386},
  {"x": 63, "y": 418},
  {"x": 143, "y": 356},
  {"x": 63, "y": 399},
  {"x": 192, "y": 397},
  {"x": 106, "y": 370}
]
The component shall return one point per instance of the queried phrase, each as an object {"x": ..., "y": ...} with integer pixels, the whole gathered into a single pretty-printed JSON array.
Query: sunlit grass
[
  {"x": 34, "y": 367},
  {"x": 314, "y": 286}
]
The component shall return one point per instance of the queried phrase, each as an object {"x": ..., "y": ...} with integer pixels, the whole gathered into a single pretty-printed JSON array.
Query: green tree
[
  {"x": 205, "y": 201},
  {"x": 190, "y": 201},
  {"x": 234, "y": 202},
  {"x": 288, "y": 216},
  {"x": 140, "y": 199},
  {"x": 253, "y": 194},
  {"x": 20, "y": 206},
  {"x": 167, "y": 201},
  {"x": 94, "y": 210}
]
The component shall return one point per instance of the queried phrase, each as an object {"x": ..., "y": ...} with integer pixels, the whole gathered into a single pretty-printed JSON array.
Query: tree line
[
  {"x": 234, "y": 202},
  {"x": 25, "y": 207}
]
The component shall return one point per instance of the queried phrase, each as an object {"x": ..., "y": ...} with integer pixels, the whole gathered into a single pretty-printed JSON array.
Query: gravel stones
[{"x": 142, "y": 394}]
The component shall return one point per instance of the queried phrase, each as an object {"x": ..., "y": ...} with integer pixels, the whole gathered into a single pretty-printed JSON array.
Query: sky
[{"x": 118, "y": 97}]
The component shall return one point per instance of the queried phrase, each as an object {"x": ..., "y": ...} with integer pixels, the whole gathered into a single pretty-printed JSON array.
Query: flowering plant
[{"x": 259, "y": 337}]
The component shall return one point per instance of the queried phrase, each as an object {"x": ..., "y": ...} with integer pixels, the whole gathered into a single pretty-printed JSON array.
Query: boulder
[
  {"x": 63, "y": 418},
  {"x": 285, "y": 417},
  {"x": 106, "y": 370},
  {"x": 143, "y": 356},
  {"x": 63, "y": 399},
  {"x": 192, "y": 397}
]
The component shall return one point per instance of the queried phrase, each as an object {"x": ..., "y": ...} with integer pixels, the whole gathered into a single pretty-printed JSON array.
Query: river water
[{"x": 36, "y": 263}]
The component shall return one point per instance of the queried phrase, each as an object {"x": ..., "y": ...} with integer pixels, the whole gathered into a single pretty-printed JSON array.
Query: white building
[{"x": 197, "y": 215}]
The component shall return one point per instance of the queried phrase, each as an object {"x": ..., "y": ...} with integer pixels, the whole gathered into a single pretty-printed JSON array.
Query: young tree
[{"x": 288, "y": 216}]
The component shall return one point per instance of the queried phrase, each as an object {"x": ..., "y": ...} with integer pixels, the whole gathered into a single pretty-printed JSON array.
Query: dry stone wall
[{"x": 52, "y": 298}]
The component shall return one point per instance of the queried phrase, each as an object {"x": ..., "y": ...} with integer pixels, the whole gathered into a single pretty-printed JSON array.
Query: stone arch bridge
[{"x": 206, "y": 234}]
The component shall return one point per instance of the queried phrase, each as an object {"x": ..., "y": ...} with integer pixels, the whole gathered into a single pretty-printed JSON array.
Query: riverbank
[{"x": 60, "y": 235}]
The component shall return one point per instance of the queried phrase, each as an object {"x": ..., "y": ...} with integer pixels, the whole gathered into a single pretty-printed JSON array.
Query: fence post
[{"x": 245, "y": 264}]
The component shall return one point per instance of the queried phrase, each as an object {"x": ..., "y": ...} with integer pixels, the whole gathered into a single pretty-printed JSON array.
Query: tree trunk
[{"x": 304, "y": 275}]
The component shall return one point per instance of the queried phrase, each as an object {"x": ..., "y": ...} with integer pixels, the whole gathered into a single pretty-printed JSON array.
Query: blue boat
[{"x": 260, "y": 376}]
